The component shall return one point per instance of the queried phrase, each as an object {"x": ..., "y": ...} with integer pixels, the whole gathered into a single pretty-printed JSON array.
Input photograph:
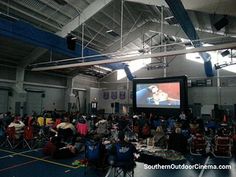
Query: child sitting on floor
[{"x": 59, "y": 150}]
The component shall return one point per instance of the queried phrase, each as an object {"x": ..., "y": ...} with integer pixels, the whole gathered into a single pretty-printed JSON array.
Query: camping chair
[
  {"x": 82, "y": 129},
  {"x": 123, "y": 162},
  {"x": 11, "y": 139},
  {"x": 198, "y": 144},
  {"x": 48, "y": 121},
  {"x": 28, "y": 137},
  {"x": 126, "y": 168},
  {"x": 40, "y": 121},
  {"x": 92, "y": 154},
  {"x": 57, "y": 121},
  {"x": 222, "y": 146}
]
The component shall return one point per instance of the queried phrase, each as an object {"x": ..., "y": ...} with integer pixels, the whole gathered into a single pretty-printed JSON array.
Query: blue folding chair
[{"x": 124, "y": 160}]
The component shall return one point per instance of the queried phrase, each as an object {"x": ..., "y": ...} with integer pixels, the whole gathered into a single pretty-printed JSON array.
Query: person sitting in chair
[
  {"x": 19, "y": 127},
  {"x": 122, "y": 154},
  {"x": 177, "y": 141},
  {"x": 95, "y": 151},
  {"x": 102, "y": 127},
  {"x": 160, "y": 138},
  {"x": 66, "y": 130}
]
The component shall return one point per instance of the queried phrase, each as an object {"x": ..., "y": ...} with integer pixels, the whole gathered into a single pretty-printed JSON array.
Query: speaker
[
  {"x": 225, "y": 53},
  {"x": 71, "y": 42},
  {"x": 112, "y": 105},
  {"x": 43, "y": 95},
  {"x": 221, "y": 23},
  {"x": 216, "y": 107}
]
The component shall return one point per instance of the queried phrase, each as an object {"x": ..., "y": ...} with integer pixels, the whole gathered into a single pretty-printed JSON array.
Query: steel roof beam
[
  {"x": 124, "y": 59},
  {"x": 91, "y": 10}
]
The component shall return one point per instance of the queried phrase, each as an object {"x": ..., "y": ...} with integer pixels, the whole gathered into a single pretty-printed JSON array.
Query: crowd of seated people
[{"x": 66, "y": 130}]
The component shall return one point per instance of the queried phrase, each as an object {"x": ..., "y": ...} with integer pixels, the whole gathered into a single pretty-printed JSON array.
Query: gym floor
[{"x": 32, "y": 163}]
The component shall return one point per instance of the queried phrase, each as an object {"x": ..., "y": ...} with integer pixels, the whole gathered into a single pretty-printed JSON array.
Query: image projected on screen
[{"x": 158, "y": 95}]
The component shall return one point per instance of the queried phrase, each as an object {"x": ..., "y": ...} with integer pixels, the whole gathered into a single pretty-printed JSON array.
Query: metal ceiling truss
[
  {"x": 30, "y": 15},
  {"x": 139, "y": 56},
  {"x": 47, "y": 16},
  {"x": 72, "y": 25}
]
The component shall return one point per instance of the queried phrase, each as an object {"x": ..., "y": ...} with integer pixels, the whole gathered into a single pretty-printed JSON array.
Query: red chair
[
  {"x": 58, "y": 121},
  {"x": 30, "y": 121},
  {"x": 11, "y": 137},
  {"x": 198, "y": 144},
  {"x": 82, "y": 129},
  {"x": 28, "y": 137},
  {"x": 222, "y": 146}
]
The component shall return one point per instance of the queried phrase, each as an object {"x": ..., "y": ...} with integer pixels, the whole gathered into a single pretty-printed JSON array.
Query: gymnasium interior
[{"x": 109, "y": 88}]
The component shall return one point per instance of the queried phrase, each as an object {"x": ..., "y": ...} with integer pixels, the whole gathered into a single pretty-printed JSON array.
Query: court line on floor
[
  {"x": 17, "y": 165},
  {"x": 40, "y": 159},
  {"x": 202, "y": 171},
  {"x": 16, "y": 153}
]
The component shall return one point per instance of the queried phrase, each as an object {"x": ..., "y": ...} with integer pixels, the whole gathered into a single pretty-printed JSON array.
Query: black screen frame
[{"x": 182, "y": 80}]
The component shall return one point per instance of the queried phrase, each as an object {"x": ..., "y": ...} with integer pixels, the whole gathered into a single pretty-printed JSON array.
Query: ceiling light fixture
[
  {"x": 170, "y": 17},
  {"x": 112, "y": 33},
  {"x": 102, "y": 67}
]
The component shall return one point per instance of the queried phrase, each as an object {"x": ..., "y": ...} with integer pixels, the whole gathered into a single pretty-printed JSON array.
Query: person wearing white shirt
[{"x": 19, "y": 127}]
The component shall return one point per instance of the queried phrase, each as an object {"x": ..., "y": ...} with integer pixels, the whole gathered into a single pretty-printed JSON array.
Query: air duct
[
  {"x": 185, "y": 22},
  {"x": 128, "y": 72}
]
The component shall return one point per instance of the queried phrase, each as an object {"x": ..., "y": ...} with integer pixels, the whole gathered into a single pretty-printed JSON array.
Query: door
[
  {"x": 81, "y": 101},
  {"x": 117, "y": 107},
  {"x": 3, "y": 101},
  {"x": 34, "y": 102}
]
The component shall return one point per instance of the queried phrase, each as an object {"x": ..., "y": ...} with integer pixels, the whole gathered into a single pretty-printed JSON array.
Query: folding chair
[
  {"x": 198, "y": 144},
  {"x": 123, "y": 167},
  {"x": 222, "y": 146},
  {"x": 11, "y": 139},
  {"x": 40, "y": 121},
  {"x": 28, "y": 137},
  {"x": 82, "y": 129},
  {"x": 124, "y": 161},
  {"x": 93, "y": 154},
  {"x": 48, "y": 121},
  {"x": 58, "y": 121}
]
